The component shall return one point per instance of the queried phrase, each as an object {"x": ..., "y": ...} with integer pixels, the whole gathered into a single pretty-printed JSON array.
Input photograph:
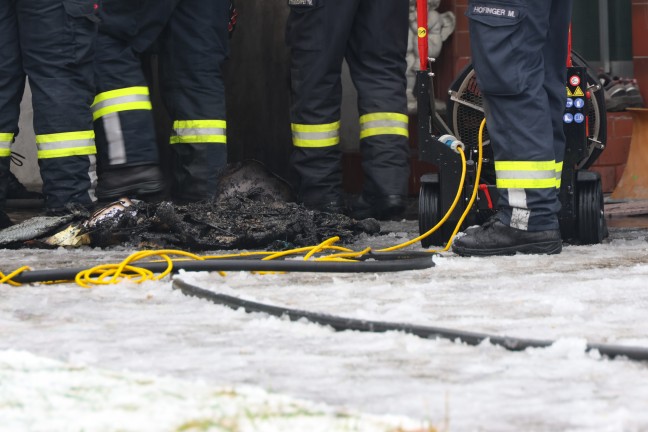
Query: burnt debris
[{"x": 247, "y": 220}]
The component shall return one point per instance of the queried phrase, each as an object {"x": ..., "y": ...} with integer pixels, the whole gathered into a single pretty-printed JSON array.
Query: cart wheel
[
  {"x": 429, "y": 213},
  {"x": 591, "y": 220}
]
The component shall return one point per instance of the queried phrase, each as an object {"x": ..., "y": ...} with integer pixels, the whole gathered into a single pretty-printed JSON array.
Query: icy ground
[{"x": 146, "y": 358}]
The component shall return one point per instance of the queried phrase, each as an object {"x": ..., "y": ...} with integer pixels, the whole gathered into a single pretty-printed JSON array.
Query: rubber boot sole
[{"x": 542, "y": 248}]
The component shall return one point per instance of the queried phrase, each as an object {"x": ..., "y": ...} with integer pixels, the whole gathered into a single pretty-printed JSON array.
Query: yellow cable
[
  {"x": 454, "y": 203},
  {"x": 480, "y": 145},
  {"x": 445, "y": 217},
  {"x": 7, "y": 278}
]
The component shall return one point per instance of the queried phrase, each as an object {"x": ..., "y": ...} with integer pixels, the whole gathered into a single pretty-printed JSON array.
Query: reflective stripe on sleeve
[
  {"x": 80, "y": 143},
  {"x": 383, "y": 124},
  {"x": 199, "y": 131},
  {"x": 315, "y": 135},
  {"x": 130, "y": 98}
]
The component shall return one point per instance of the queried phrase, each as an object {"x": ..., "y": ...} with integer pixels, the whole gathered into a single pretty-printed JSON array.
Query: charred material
[{"x": 234, "y": 221}]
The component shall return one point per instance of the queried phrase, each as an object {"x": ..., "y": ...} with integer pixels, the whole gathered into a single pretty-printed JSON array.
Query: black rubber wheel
[
  {"x": 591, "y": 218},
  {"x": 429, "y": 213}
]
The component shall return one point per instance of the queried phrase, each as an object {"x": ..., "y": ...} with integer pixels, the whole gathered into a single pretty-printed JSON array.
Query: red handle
[{"x": 422, "y": 21}]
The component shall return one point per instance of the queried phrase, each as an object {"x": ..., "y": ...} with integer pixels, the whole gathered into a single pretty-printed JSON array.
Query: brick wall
[
  {"x": 612, "y": 160},
  {"x": 640, "y": 44}
]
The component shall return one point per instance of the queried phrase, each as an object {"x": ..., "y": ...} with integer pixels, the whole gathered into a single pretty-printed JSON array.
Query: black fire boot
[
  {"x": 495, "y": 238},
  {"x": 382, "y": 208},
  {"x": 18, "y": 196},
  {"x": 335, "y": 206},
  {"x": 5, "y": 222},
  {"x": 130, "y": 181},
  {"x": 4, "y": 182}
]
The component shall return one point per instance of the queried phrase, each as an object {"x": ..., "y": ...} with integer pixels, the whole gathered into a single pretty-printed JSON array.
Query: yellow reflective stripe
[
  {"x": 326, "y": 127},
  {"x": 77, "y": 151},
  {"x": 199, "y": 131},
  {"x": 188, "y": 139},
  {"x": 128, "y": 91},
  {"x": 6, "y": 137},
  {"x": 384, "y": 131},
  {"x": 65, "y": 136},
  {"x": 5, "y": 144},
  {"x": 64, "y": 144},
  {"x": 525, "y": 174},
  {"x": 315, "y": 135},
  {"x": 526, "y": 183},
  {"x": 327, "y": 142},
  {"x": 199, "y": 124},
  {"x": 383, "y": 116},
  {"x": 128, "y": 106},
  {"x": 525, "y": 165},
  {"x": 385, "y": 123},
  {"x": 125, "y": 99}
]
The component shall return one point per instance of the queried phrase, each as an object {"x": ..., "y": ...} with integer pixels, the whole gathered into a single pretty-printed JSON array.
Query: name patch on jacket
[
  {"x": 301, "y": 2},
  {"x": 495, "y": 11}
]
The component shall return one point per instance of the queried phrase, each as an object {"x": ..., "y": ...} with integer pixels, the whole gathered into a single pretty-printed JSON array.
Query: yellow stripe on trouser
[
  {"x": 5, "y": 144},
  {"x": 525, "y": 174},
  {"x": 80, "y": 143},
  {"x": 126, "y": 99},
  {"x": 315, "y": 135},
  {"x": 199, "y": 131},
  {"x": 383, "y": 124}
]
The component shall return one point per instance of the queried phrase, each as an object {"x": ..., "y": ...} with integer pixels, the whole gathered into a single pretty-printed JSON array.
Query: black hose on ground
[
  {"x": 341, "y": 324},
  {"x": 371, "y": 263}
]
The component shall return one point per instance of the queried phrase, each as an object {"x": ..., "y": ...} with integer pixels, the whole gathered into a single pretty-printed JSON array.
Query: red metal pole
[
  {"x": 569, "y": 47},
  {"x": 422, "y": 21}
]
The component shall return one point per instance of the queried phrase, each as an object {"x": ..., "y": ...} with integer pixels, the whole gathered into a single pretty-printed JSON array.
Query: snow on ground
[{"x": 124, "y": 356}]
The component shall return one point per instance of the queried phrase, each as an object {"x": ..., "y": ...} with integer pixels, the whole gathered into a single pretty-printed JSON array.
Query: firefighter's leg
[
  {"x": 194, "y": 47},
  {"x": 518, "y": 118},
  {"x": 376, "y": 57},
  {"x": 506, "y": 38},
  {"x": 318, "y": 36},
  {"x": 12, "y": 83},
  {"x": 57, "y": 41},
  {"x": 127, "y": 154}
]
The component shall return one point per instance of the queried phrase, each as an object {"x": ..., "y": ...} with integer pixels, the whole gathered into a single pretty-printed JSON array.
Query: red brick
[
  {"x": 641, "y": 74},
  {"x": 462, "y": 19},
  {"x": 608, "y": 177},
  {"x": 461, "y": 63},
  {"x": 462, "y": 44},
  {"x": 615, "y": 152},
  {"x": 639, "y": 29}
]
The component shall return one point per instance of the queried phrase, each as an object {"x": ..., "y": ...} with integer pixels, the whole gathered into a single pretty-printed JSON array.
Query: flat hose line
[
  {"x": 371, "y": 262},
  {"x": 427, "y": 332}
]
